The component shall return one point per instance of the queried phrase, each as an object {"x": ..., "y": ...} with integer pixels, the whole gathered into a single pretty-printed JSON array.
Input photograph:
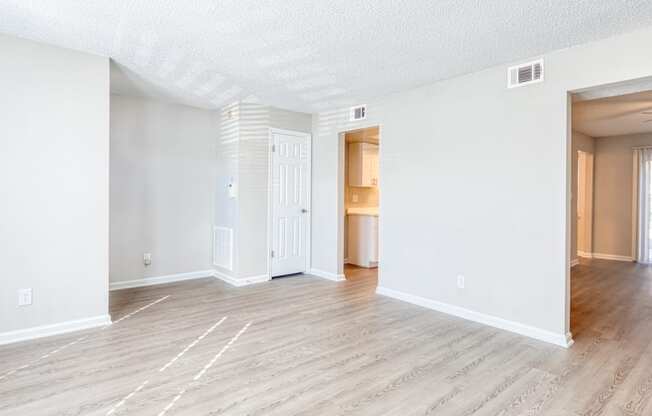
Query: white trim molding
[
  {"x": 159, "y": 280},
  {"x": 616, "y": 257},
  {"x": 563, "y": 340},
  {"x": 327, "y": 275},
  {"x": 239, "y": 282},
  {"x": 53, "y": 329},
  {"x": 603, "y": 256}
]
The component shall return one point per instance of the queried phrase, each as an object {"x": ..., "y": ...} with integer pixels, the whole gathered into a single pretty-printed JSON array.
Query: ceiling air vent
[
  {"x": 358, "y": 113},
  {"x": 525, "y": 74}
]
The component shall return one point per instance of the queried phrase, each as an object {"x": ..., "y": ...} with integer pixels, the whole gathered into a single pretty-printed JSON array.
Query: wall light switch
[
  {"x": 147, "y": 259},
  {"x": 232, "y": 189},
  {"x": 24, "y": 297},
  {"x": 460, "y": 282}
]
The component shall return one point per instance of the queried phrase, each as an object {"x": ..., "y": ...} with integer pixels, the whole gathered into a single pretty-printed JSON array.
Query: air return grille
[
  {"x": 525, "y": 74},
  {"x": 223, "y": 247},
  {"x": 358, "y": 113}
]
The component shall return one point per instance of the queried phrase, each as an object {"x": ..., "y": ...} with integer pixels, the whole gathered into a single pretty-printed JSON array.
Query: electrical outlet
[
  {"x": 460, "y": 282},
  {"x": 24, "y": 297},
  {"x": 354, "y": 198},
  {"x": 147, "y": 259}
]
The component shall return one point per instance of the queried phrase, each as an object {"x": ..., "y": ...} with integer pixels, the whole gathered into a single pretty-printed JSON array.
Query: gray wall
[
  {"x": 496, "y": 163},
  {"x": 254, "y": 121},
  {"x": 54, "y": 182},
  {"x": 612, "y": 209},
  {"x": 163, "y": 173},
  {"x": 226, "y": 208},
  {"x": 244, "y": 155}
]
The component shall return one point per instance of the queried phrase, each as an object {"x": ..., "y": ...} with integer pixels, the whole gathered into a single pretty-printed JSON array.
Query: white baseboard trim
[
  {"x": 603, "y": 256},
  {"x": 159, "y": 280},
  {"x": 327, "y": 275},
  {"x": 239, "y": 282},
  {"x": 563, "y": 340},
  {"x": 574, "y": 262},
  {"x": 53, "y": 329}
]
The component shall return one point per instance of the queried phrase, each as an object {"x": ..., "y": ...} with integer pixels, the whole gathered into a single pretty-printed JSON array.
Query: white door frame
[
  {"x": 270, "y": 191},
  {"x": 632, "y": 86},
  {"x": 585, "y": 169}
]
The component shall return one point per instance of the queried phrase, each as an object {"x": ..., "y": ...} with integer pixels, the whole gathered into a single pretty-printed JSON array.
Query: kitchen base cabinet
[{"x": 363, "y": 240}]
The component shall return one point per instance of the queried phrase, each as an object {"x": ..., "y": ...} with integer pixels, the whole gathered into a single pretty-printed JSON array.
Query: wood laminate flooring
[
  {"x": 354, "y": 273},
  {"x": 306, "y": 346}
]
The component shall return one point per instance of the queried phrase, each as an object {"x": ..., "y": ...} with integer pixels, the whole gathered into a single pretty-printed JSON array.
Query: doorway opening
[
  {"x": 610, "y": 206},
  {"x": 361, "y": 191}
]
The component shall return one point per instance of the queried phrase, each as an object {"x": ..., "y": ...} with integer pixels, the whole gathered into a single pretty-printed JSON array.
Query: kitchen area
[{"x": 361, "y": 198}]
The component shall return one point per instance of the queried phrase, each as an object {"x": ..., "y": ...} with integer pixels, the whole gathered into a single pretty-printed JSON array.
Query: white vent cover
[
  {"x": 223, "y": 247},
  {"x": 525, "y": 74},
  {"x": 358, "y": 113}
]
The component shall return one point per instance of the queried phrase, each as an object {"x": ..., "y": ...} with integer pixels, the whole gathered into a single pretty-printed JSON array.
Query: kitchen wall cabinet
[{"x": 363, "y": 164}]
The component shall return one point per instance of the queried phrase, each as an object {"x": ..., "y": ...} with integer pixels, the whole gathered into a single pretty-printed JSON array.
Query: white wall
[
  {"x": 54, "y": 182},
  {"x": 255, "y": 122},
  {"x": 244, "y": 156},
  {"x": 226, "y": 208},
  {"x": 496, "y": 164},
  {"x": 163, "y": 173}
]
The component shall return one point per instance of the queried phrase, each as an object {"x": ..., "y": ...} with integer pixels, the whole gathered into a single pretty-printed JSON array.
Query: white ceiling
[
  {"x": 311, "y": 55},
  {"x": 614, "y": 116}
]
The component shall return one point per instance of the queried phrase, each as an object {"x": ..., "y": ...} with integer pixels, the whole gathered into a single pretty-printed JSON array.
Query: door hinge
[
  {"x": 272, "y": 253},
  {"x": 273, "y": 148}
]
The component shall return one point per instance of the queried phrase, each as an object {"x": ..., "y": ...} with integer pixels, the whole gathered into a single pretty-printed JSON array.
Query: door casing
[{"x": 584, "y": 201}]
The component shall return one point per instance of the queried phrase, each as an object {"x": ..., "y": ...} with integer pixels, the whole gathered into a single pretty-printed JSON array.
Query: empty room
[
  {"x": 610, "y": 239},
  {"x": 325, "y": 208}
]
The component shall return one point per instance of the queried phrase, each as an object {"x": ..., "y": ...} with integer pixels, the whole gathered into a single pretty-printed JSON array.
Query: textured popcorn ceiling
[
  {"x": 614, "y": 116},
  {"x": 310, "y": 55}
]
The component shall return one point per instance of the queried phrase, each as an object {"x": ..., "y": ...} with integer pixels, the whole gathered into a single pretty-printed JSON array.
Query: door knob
[{"x": 303, "y": 210}]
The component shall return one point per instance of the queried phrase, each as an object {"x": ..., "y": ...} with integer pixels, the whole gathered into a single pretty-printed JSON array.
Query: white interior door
[{"x": 290, "y": 202}]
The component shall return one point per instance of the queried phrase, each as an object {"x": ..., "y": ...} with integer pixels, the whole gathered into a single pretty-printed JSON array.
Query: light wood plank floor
[
  {"x": 353, "y": 273},
  {"x": 320, "y": 348}
]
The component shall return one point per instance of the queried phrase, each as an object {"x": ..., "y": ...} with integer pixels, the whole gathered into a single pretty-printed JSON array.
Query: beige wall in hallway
[
  {"x": 586, "y": 144},
  {"x": 612, "y": 211}
]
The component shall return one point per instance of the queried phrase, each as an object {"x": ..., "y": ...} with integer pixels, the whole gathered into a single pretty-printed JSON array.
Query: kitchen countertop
[{"x": 372, "y": 211}]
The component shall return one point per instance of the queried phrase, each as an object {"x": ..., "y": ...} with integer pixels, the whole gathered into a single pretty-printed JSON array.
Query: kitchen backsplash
[{"x": 366, "y": 197}]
